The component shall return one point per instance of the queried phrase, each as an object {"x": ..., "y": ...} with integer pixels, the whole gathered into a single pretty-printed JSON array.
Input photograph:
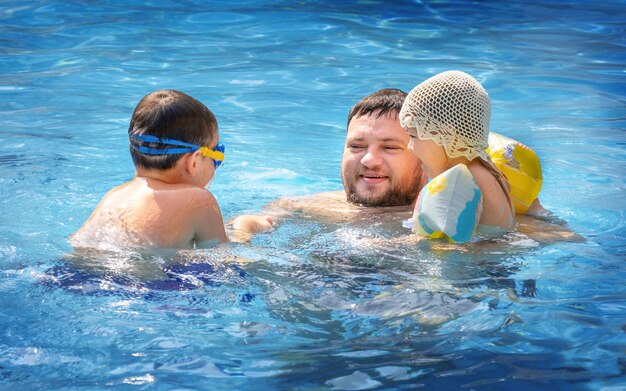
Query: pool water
[{"x": 311, "y": 305}]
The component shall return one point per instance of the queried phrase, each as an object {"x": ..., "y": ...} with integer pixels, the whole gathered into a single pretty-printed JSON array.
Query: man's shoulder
[
  {"x": 334, "y": 197},
  {"x": 337, "y": 196}
]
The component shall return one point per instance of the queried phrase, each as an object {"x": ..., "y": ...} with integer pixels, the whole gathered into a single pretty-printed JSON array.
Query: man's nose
[{"x": 372, "y": 158}]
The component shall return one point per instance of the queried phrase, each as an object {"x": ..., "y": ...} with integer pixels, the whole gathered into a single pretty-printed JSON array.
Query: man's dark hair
[
  {"x": 169, "y": 114},
  {"x": 386, "y": 101}
]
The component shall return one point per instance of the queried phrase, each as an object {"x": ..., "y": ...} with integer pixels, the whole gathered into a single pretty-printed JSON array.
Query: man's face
[{"x": 377, "y": 168}]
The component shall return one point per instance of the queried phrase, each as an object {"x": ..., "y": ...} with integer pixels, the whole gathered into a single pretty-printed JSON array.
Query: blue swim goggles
[{"x": 217, "y": 153}]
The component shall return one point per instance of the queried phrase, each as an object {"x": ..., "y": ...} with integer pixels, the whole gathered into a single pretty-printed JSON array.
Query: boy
[{"x": 174, "y": 144}]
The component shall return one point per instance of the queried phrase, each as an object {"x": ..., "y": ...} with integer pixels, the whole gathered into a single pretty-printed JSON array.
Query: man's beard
[{"x": 394, "y": 196}]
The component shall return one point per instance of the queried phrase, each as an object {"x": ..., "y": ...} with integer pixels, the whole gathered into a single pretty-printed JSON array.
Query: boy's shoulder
[
  {"x": 185, "y": 194},
  {"x": 166, "y": 196}
]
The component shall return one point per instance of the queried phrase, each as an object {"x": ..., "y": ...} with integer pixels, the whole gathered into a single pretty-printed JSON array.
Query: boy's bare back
[{"x": 152, "y": 213}]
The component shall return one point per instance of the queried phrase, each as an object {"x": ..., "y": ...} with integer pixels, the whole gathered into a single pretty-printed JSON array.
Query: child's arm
[
  {"x": 245, "y": 226},
  {"x": 497, "y": 209},
  {"x": 208, "y": 222},
  {"x": 253, "y": 223}
]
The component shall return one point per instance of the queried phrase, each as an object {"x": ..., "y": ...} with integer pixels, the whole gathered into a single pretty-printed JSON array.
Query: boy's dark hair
[
  {"x": 169, "y": 114},
  {"x": 386, "y": 101}
]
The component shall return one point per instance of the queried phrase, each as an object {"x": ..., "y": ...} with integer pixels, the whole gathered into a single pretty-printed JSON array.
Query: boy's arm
[
  {"x": 208, "y": 222},
  {"x": 253, "y": 223},
  {"x": 331, "y": 206},
  {"x": 244, "y": 226}
]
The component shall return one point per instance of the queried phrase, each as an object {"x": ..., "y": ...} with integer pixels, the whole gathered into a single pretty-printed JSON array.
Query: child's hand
[{"x": 253, "y": 223}]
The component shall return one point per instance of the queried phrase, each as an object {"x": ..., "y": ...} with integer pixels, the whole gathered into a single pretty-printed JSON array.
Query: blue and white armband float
[{"x": 449, "y": 206}]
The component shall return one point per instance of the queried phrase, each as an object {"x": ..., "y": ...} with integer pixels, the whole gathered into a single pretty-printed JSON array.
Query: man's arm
[
  {"x": 545, "y": 231},
  {"x": 328, "y": 207}
]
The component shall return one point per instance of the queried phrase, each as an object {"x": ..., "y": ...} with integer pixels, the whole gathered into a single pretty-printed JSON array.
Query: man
[
  {"x": 382, "y": 177},
  {"x": 380, "y": 174},
  {"x": 377, "y": 168}
]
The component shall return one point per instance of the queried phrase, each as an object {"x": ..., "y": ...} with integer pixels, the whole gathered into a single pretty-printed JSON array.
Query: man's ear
[{"x": 191, "y": 162}]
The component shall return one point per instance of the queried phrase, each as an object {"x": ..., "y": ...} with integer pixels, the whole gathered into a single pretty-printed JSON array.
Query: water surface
[{"x": 311, "y": 305}]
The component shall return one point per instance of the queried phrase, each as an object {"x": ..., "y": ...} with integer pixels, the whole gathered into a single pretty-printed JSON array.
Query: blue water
[{"x": 314, "y": 306}]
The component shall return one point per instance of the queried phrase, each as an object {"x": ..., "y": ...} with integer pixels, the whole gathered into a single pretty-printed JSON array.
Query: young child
[
  {"x": 174, "y": 145},
  {"x": 447, "y": 117}
]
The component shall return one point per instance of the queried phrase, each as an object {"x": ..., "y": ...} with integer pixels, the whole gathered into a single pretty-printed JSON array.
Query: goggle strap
[
  {"x": 161, "y": 151},
  {"x": 165, "y": 141}
]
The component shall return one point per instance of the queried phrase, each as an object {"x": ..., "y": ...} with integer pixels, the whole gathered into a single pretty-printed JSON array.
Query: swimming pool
[{"x": 316, "y": 305}]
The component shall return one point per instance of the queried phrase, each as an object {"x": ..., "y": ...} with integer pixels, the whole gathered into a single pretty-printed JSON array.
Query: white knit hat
[{"x": 453, "y": 110}]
